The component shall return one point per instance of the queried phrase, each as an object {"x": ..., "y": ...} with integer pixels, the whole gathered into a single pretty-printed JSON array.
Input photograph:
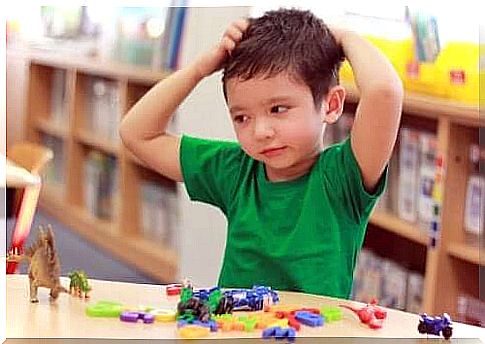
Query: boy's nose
[{"x": 263, "y": 129}]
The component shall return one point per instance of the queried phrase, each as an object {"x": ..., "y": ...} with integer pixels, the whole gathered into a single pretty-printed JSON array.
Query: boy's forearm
[
  {"x": 150, "y": 116},
  {"x": 372, "y": 70}
]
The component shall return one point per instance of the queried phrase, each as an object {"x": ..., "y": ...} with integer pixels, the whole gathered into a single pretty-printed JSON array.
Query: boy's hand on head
[
  {"x": 338, "y": 33},
  {"x": 213, "y": 60}
]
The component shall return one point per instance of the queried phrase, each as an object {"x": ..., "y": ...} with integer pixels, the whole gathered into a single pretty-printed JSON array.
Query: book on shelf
[
  {"x": 158, "y": 212},
  {"x": 178, "y": 15},
  {"x": 408, "y": 174},
  {"x": 475, "y": 196},
  {"x": 470, "y": 310},
  {"x": 391, "y": 283},
  {"x": 101, "y": 175},
  {"x": 58, "y": 97},
  {"x": 428, "y": 147},
  {"x": 414, "y": 292},
  {"x": 54, "y": 173},
  {"x": 150, "y": 36},
  {"x": 104, "y": 110}
]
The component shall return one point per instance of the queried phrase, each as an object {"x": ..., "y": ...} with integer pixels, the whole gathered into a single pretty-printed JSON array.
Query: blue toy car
[{"x": 436, "y": 325}]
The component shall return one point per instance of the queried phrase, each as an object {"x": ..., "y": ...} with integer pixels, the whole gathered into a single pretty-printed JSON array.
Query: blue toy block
[
  {"x": 269, "y": 332},
  {"x": 309, "y": 319}
]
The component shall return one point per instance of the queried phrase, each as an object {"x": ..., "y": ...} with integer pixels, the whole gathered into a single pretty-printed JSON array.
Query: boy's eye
[
  {"x": 278, "y": 109},
  {"x": 240, "y": 118}
]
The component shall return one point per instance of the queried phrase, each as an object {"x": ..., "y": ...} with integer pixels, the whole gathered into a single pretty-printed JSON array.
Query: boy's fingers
[
  {"x": 241, "y": 24},
  {"x": 234, "y": 33},
  {"x": 228, "y": 43}
]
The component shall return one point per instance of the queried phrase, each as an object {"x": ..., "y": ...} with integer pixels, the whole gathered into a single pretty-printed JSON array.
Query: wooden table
[{"x": 66, "y": 317}]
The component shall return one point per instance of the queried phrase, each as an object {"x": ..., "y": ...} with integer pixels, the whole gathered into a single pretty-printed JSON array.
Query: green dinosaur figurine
[{"x": 79, "y": 284}]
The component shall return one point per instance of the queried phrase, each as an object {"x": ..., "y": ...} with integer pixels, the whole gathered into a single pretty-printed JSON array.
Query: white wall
[{"x": 202, "y": 230}]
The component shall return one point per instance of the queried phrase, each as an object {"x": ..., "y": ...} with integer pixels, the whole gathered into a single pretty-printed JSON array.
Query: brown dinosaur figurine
[{"x": 44, "y": 266}]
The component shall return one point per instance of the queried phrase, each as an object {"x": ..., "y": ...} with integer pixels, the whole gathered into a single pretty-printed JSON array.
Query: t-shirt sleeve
[
  {"x": 341, "y": 174},
  {"x": 210, "y": 169}
]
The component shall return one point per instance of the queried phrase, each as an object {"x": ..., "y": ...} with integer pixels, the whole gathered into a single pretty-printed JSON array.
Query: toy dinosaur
[
  {"x": 79, "y": 284},
  {"x": 370, "y": 314},
  {"x": 44, "y": 266}
]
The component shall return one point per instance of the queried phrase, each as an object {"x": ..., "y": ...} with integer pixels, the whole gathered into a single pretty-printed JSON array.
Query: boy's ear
[{"x": 333, "y": 104}]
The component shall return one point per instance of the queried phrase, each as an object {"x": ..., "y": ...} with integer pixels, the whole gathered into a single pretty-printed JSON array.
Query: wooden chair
[{"x": 33, "y": 157}]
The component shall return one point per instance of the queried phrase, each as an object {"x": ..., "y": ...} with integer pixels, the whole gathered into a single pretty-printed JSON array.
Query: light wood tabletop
[{"x": 66, "y": 318}]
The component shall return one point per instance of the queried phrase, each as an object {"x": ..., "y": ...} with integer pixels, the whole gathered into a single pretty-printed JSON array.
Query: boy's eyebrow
[
  {"x": 235, "y": 108},
  {"x": 277, "y": 99},
  {"x": 271, "y": 100}
]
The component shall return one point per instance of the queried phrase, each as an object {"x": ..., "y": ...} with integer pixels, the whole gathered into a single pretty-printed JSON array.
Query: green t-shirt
[{"x": 301, "y": 235}]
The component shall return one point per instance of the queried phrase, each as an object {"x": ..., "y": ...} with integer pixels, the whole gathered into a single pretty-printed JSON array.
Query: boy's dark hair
[{"x": 287, "y": 40}]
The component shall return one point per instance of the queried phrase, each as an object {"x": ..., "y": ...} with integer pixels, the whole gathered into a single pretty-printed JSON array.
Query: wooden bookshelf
[
  {"x": 394, "y": 224},
  {"x": 51, "y": 128},
  {"x": 451, "y": 261},
  {"x": 91, "y": 139},
  {"x": 456, "y": 126},
  {"x": 121, "y": 235},
  {"x": 467, "y": 253}
]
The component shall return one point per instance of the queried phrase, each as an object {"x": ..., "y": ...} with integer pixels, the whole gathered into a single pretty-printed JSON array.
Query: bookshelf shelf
[
  {"x": 51, "y": 128},
  {"x": 468, "y": 253},
  {"x": 91, "y": 139},
  {"x": 433, "y": 107},
  {"x": 394, "y": 224}
]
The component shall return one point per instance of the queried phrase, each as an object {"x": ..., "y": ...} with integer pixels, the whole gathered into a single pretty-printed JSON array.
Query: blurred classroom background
[{"x": 74, "y": 71}]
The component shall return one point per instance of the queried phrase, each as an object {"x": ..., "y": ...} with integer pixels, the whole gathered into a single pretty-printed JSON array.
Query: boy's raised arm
[
  {"x": 378, "y": 113},
  {"x": 143, "y": 129}
]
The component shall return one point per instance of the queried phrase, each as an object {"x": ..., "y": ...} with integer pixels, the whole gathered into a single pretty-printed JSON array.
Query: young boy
[{"x": 296, "y": 215}]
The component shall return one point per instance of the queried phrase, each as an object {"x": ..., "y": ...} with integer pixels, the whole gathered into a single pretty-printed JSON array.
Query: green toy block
[
  {"x": 331, "y": 313},
  {"x": 105, "y": 309}
]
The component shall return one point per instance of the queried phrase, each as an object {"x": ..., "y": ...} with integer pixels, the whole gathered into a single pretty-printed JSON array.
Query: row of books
[
  {"x": 412, "y": 174},
  {"x": 158, "y": 213},
  {"x": 392, "y": 284},
  {"x": 150, "y": 36},
  {"x": 101, "y": 192},
  {"x": 103, "y": 107},
  {"x": 54, "y": 172},
  {"x": 470, "y": 310}
]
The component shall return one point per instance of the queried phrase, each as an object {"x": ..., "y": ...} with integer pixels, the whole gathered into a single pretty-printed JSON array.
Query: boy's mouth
[{"x": 270, "y": 152}]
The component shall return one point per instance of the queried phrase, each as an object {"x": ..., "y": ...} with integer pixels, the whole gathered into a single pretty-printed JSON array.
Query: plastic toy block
[
  {"x": 164, "y": 315},
  {"x": 309, "y": 319},
  {"x": 105, "y": 309},
  {"x": 212, "y": 325},
  {"x": 128, "y": 316},
  {"x": 193, "y": 331},
  {"x": 310, "y": 310},
  {"x": 279, "y": 323},
  {"x": 279, "y": 333},
  {"x": 269, "y": 333},
  {"x": 173, "y": 289},
  {"x": 331, "y": 313},
  {"x": 283, "y": 308}
]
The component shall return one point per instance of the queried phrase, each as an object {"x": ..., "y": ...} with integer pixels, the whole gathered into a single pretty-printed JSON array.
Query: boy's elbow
[
  {"x": 392, "y": 90},
  {"x": 126, "y": 133}
]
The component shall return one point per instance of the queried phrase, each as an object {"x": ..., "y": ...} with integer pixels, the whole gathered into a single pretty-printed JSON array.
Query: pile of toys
[{"x": 203, "y": 311}]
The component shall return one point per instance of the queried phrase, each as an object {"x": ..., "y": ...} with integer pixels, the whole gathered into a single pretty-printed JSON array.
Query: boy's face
[{"x": 276, "y": 122}]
